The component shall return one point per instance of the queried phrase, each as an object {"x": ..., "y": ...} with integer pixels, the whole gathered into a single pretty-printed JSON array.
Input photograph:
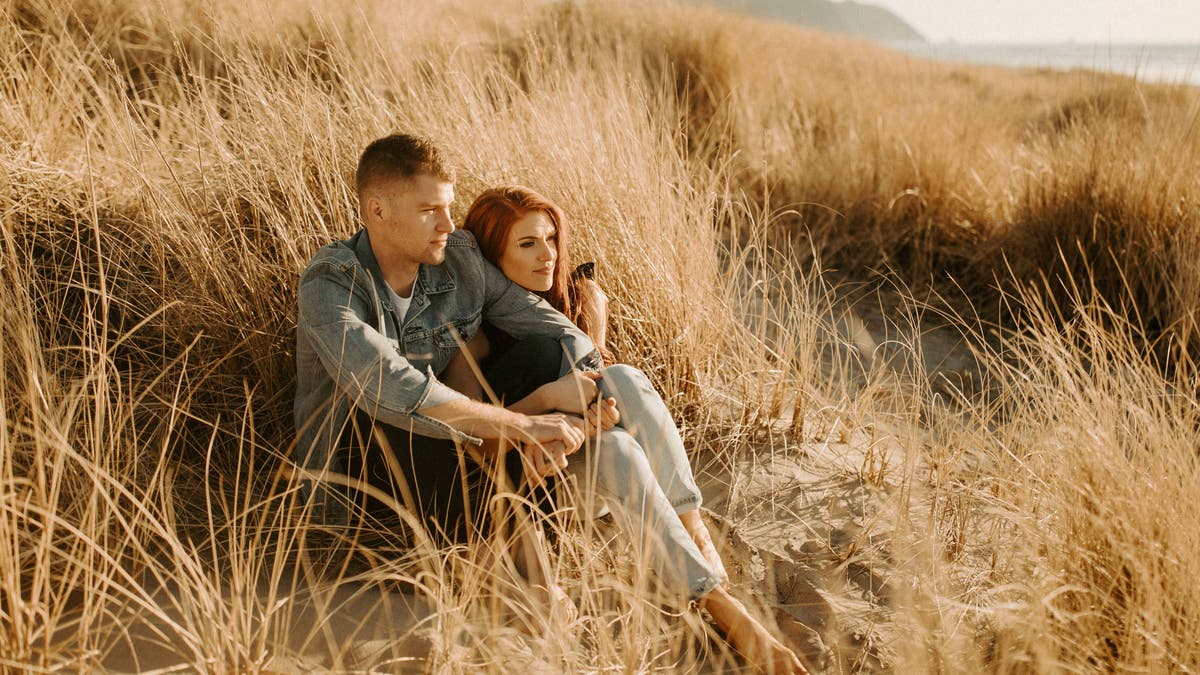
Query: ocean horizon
[{"x": 1172, "y": 63}]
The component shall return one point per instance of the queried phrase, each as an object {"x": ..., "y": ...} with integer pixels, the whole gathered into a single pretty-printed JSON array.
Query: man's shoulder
[
  {"x": 337, "y": 254},
  {"x": 462, "y": 268},
  {"x": 462, "y": 251},
  {"x": 461, "y": 239}
]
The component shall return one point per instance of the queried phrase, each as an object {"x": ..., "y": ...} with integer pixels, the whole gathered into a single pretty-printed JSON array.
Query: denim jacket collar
[{"x": 430, "y": 278}]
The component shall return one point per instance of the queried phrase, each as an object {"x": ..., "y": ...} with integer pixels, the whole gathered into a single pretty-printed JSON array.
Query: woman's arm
[
  {"x": 460, "y": 373},
  {"x": 574, "y": 393},
  {"x": 570, "y": 393}
]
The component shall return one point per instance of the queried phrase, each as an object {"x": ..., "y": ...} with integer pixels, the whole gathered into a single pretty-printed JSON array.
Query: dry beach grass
[{"x": 1023, "y": 501}]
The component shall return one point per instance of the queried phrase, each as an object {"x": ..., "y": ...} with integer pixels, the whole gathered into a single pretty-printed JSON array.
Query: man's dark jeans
[{"x": 439, "y": 482}]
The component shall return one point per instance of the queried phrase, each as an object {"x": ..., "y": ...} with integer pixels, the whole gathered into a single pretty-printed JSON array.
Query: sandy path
[{"x": 366, "y": 627}]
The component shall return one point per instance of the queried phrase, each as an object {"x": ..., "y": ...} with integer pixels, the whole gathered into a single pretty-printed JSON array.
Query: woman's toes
[{"x": 562, "y": 607}]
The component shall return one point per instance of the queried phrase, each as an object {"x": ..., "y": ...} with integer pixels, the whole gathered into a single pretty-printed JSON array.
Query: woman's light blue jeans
[{"x": 641, "y": 470}]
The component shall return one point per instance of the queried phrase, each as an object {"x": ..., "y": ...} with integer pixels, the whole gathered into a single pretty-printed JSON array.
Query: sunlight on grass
[{"x": 930, "y": 331}]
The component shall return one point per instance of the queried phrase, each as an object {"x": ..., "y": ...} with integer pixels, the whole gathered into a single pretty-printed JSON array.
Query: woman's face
[{"x": 530, "y": 253}]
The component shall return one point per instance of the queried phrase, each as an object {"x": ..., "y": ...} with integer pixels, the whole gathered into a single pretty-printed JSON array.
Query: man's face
[{"x": 409, "y": 220}]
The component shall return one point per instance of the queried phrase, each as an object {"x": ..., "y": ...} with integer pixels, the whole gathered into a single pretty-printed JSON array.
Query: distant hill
[{"x": 852, "y": 18}]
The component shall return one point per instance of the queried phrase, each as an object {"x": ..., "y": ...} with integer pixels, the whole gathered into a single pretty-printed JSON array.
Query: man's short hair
[{"x": 400, "y": 157}]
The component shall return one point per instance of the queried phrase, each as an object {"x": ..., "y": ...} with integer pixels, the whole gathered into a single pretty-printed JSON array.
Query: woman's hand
[
  {"x": 593, "y": 305},
  {"x": 601, "y": 415},
  {"x": 571, "y": 393}
]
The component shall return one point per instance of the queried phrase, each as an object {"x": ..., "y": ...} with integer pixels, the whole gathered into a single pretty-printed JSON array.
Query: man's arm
[
  {"x": 490, "y": 421},
  {"x": 367, "y": 365},
  {"x": 363, "y": 363},
  {"x": 544, "y": 440},
  {"x": 522, "y": 314}
]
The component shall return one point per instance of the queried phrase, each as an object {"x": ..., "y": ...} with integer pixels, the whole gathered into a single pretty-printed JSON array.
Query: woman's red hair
[{"x": 491, "y": 218}]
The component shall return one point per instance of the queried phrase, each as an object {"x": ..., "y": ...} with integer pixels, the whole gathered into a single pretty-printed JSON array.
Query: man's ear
[{"x": 373, "y": 208}]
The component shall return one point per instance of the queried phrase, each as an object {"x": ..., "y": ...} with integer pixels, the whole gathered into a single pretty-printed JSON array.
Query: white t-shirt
[{"x": 400, "y": 303}]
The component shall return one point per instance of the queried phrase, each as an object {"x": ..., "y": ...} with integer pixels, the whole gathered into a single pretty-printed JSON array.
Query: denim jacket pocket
[{"x": 463, "y": 329}]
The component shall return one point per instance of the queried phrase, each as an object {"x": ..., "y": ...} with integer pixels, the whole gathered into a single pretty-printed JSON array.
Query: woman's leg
[
  {"x": 645, "y": 416},
  {"x": 749, "y": 636},
  {"x": 619, "y": 471}
]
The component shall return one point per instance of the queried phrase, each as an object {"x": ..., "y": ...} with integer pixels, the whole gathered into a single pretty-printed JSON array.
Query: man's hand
[
  {"x": 552, "y": 427},
  {"x": 545, "y": 442},
  {"x": 542, "y": 461}
]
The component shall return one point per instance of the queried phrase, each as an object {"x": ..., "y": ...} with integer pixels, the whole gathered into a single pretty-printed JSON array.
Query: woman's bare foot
[
  {"x": 561, "y": 608},
  {"x": 528, "y": 551},
  {"x": 749, "y": 637},
  {"x": 694, "y": 524}
]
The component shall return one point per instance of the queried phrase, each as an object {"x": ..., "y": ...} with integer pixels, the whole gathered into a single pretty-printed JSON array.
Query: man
[{"x": 382, "y": 313}]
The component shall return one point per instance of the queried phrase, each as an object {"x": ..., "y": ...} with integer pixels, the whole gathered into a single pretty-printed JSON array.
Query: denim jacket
[{"x": 353, "y": 350}]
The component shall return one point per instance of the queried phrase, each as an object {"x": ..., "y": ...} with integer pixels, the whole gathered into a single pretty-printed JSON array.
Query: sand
[{"x": 806, "y": 531}]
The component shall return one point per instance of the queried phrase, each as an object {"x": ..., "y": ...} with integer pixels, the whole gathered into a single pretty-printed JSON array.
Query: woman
[{"x": 642, "y": 464}]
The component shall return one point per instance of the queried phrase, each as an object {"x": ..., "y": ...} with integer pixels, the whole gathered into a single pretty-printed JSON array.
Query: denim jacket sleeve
[
  {"x": 520, "y": 313},
  {"x": 334, "y": 311}
]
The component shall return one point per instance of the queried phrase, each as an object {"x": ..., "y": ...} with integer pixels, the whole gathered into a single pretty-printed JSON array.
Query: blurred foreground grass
[{"x": 169, "y": 168}]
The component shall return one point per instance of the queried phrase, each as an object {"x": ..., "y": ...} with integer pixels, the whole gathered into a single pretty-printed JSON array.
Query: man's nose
[{"x": 445, "y": 224}]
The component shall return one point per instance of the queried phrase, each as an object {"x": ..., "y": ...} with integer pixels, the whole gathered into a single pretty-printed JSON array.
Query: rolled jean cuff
[
  {"x": 685, "y": 504},
  {"x": 704, "y": 586}
]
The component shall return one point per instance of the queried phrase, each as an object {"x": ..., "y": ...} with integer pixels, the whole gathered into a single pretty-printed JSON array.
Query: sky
[{"x": 1094, "y": 21}]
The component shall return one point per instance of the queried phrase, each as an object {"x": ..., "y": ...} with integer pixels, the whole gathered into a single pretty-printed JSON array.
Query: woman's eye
[{"x": 526, "y": 244}]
